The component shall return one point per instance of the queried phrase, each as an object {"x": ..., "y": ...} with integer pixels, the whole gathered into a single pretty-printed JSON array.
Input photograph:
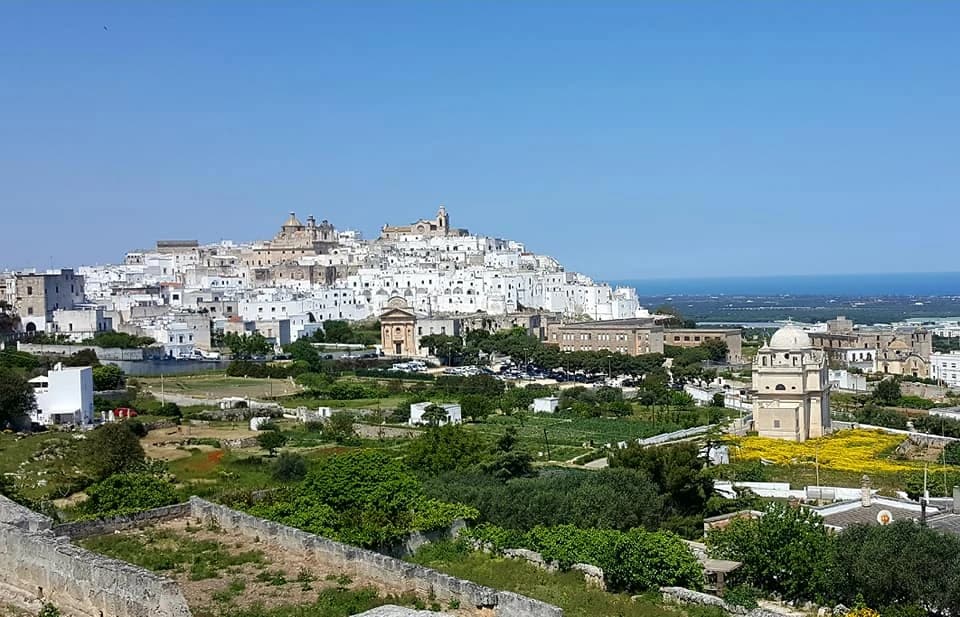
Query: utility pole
[{"x": 546, "y": 442}]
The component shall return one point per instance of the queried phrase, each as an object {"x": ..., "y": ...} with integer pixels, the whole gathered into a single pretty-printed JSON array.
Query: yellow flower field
[{"x": 858, "y": 450}]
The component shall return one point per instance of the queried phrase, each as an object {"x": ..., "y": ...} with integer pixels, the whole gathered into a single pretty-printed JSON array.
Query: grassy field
[
  {"x": 162, "y": 550},
  {"x": 218, "y": 385},
  {"x": 385, "y": 404},
  {"x": 44, "y": 465},
  {"x": 569, "y": 431},
  {"x": 566, "y": 590}
]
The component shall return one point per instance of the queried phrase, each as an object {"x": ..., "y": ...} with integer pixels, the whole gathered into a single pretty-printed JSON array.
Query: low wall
[
  {"x": 103, "y": 353},
  {"x": 384, "y": 569},
  {"x": 37, "y": 566},
  {"x": 681, "y": 595},
  {"x": 99, "y": 527},
  {"x": 412, "y": 543}
]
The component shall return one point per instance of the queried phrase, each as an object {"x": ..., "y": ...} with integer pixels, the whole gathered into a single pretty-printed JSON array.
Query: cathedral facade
[
  {"x": 791, "y": 387},
  {"x": 439, "y": 226}
]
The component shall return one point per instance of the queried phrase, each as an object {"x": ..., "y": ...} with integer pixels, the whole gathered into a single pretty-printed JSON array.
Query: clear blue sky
[{"x": 628, "y": 139}]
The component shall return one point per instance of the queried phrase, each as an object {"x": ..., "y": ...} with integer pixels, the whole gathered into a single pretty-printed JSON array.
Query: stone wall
[
  {"x": 99, "y": 527},
  {"x": 16, "y": 515},
  {"x": 103, "y": 353},
  {"x": 681, "y": 595},
  {"x": 37, "y": 566},
  {"x": 384, "y": 569}
]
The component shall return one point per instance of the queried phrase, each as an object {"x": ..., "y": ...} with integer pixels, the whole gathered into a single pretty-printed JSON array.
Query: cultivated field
[{"x": 218, "y": 386}]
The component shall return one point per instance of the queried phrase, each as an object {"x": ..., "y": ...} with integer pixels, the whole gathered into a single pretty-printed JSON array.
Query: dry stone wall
[
  {"x": 38, "y": 566},
  {"x": 99, "y": 527},
  {"x": 682, "y": 595},
  {"x": 382, "y": 568}
]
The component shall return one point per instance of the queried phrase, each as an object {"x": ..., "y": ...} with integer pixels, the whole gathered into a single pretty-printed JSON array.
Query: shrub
[
  {"x": 110, "y": 449},
  {"x": 128, "y": 492},
  {"x": 290, "y": 467}
]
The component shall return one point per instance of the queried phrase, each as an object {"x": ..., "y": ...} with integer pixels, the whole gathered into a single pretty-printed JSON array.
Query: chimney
[
  {"x": 956, "y": 500},
  {"x": 865, "y": 495}
]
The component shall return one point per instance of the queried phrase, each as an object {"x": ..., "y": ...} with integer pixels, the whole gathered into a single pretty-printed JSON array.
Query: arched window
[
  {"x": 780, "y": 386},
  {"x": 764, "y": 360}
]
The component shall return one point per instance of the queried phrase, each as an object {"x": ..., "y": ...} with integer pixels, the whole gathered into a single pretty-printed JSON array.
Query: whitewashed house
[
  {"x": 545, "y": 404},
  {"x": 64, "y": 396},
  {"x": 454, "y": 414}
]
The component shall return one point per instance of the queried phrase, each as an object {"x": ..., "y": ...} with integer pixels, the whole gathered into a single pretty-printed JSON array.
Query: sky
[{"x": 627, "y": 139}]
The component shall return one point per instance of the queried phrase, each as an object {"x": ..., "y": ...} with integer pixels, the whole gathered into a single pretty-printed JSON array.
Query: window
[
  {"x": 29, "y": 290},
  {"x": 780, "y": 386},
  {"x": 776, "y": 424}
]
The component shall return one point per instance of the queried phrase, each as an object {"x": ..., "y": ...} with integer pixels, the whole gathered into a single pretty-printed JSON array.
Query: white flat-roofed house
[
  {"x": 454, "y": 414},
  {"x": 64, "y": 396},
  {"x": 945, "y": 367},
  {"x": 546, "y": 404}
]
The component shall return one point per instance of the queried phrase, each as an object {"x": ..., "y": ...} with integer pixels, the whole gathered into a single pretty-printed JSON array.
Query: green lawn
[{"x": 566, "y": 590}]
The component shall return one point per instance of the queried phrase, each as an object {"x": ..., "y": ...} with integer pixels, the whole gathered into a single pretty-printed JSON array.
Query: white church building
[{"x": 791, "y": 384}]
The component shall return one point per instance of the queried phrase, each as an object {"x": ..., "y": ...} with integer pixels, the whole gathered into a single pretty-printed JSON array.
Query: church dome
[
  {"x": 790, "y": 337},
  {"x": 292, "y": 221}
]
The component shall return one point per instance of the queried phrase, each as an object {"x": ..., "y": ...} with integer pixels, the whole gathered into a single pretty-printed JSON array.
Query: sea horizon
[{"x": 838, "y": 285}]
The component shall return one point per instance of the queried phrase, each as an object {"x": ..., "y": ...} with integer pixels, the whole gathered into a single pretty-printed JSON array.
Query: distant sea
[{"x": 839, "y": 285}]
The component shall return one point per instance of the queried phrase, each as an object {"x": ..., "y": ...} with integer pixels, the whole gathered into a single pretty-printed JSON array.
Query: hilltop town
[{"x": 433, "y": 420}]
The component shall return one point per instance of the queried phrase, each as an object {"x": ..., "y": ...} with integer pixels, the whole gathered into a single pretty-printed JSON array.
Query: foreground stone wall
[
  {"x": 38, "y": 566},
  {"x": 384, "y": 569},
  {"x": 14, "y": 514}
]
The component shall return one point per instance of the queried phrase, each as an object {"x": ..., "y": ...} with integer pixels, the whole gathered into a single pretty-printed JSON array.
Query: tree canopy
[{"x": 16, "y": 396}]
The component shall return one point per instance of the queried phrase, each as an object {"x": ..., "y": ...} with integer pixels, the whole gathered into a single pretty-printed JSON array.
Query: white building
[
  {"x": 945, "y": 367},
  {"x": 80, "y": 324},
  {"x": 845, "y": 380},
  {"x": 545, "y": 404},
  {"x": 454, "y": 414},
  {"x": 64, "y": 396},
  {"x": 791, "y": 387}
]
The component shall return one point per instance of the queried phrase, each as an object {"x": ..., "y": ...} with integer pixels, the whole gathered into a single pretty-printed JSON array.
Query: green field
[
  {"x": 218, "y": 385},
  {"x": 570, "y": 431},
  {"x": 43, "y": 465}
]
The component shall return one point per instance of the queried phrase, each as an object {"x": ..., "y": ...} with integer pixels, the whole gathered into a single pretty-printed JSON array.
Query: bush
[
  {"x": 742, "y": 595},
  {"x": 49, "y": 610},
  {"x": 125, "y": 493},
  {"x": 109, "y": 449},
  {"x": 290, "y": 467},
  {"x": 271, "y": 441},
  {"x": 137, "y": 428}
]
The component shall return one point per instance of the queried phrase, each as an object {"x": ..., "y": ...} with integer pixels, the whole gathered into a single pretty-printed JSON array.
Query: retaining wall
[
  {"x": 682, "y": 595},
  {"x": 38, "y": 566},
  {"x": 98, "y": 527},
  {"x": 384, "y": 569}
]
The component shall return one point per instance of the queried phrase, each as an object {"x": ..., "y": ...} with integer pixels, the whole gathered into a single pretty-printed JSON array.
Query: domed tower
[
  {"x": 292, "y": 224},
  {"x": 791, "y": 384}
]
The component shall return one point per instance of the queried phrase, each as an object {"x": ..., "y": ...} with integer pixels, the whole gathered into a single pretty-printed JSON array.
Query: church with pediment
[{"x": 397, "y": 328}]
